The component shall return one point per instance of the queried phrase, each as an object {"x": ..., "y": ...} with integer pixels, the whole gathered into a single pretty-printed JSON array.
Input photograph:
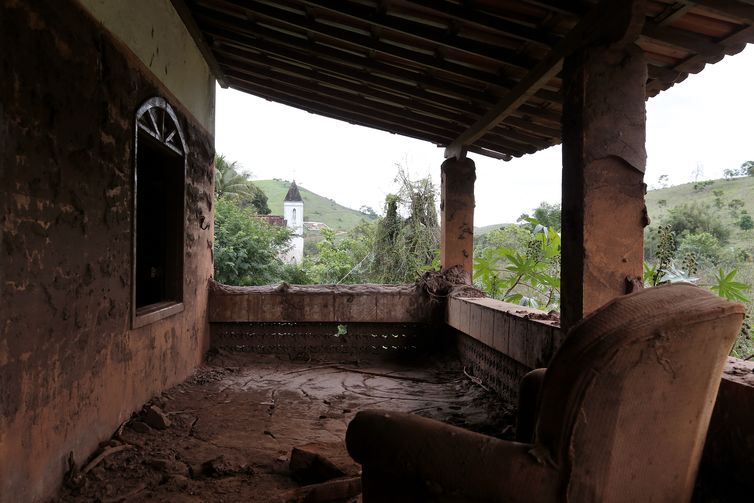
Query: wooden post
[
  {"x": 457, "y": 214},
  {"x": 604, "y": 158}
]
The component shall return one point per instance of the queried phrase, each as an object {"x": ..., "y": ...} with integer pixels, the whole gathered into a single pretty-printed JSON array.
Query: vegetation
[
  {"x": 235, "y": 185},
  {"x": 699, "y": 234},
  {"x": 316, "y": 208},
  {"x": 342, "y": 260},
  {"x": 521, "y": 263},
  {"x": 706, "y": 238},
  {"x": 247, "y": 250},
  {"x": 406, "y": 246}
]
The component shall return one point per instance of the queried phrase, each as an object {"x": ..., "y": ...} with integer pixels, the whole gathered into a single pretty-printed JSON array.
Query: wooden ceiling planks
[{"x": 432, "y": 69}]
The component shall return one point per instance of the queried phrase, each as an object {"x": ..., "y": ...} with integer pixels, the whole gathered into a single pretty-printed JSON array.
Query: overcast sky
[{"x": 706, "y": 120}]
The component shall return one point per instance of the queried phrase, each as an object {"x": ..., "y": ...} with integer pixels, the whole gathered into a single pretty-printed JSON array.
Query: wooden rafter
[
  {"x": 549, "y": 67},
  {"x": 476, "y": 76}
]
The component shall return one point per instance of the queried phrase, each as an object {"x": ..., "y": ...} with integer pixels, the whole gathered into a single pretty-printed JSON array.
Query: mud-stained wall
[
  {"x": 154, "y": 32},
  {"x": 70, "y": 369}
]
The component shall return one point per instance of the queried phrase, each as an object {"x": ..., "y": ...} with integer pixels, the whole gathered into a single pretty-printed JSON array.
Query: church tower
[{"x": 293, "y": 212}]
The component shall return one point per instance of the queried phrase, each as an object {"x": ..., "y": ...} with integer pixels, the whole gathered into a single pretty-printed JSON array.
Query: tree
[
  {"x": 342, "y": 259},
  {"x": 406, "y": 246},
  {"x": 747, "y": 169},
  {"x": 745, "y": 222},
  {"x": 696, "y": 218},
  {"x": 232, "y": 184},
  {"x": 703, "y": 245},
  {"x": 246, "y": 249},
  {"x": 663, "y": 181},
  {"x": 698, "y": 172},
  {"x": 546, "y": 214},
  {"x": 730, "y": 174},
  {"x": 369, "y": 212}
]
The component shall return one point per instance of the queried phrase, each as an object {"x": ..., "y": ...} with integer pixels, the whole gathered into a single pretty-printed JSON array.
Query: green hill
[
  {"x": 661, "y": 200},
  {"x": 481, "y": 231},
  {"x": 316, "y": 208}
]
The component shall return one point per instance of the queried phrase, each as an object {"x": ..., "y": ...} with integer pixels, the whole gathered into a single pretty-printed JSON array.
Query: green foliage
[
  {"x": 406, "y": 246},
  {"x": 316, "y": 208},
  {"x": 746, "y": 169},
  {"x": 736, "y": 205},
  {"x": 704, "y": 246},
  {"x": 696, "y": 218},
  {"x": 745, "y": 222},
  {"x": 726, "y": 286},
  {"x": 701, "y": 186},
  {"x": 528, "y": 275},
  {"x": 234, "y": 185},
  {"x": 246, "y": 249},
  {"x": 546, "y": 214},
  {"x": 662, "y": 203},
  {"x": 511, "y": 236},
  {"x": 341, "y": 259}
]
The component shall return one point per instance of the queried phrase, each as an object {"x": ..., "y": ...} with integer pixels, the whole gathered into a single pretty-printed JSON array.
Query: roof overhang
[{"x": 479, "y": 76}]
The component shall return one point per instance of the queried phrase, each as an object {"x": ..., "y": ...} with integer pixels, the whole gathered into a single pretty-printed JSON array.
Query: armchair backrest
[{"x": 626, "y": 402}]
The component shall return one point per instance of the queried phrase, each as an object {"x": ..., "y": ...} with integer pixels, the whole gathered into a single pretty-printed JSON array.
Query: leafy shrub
[
  {"x": 745, "y": 222},
  {"x": 704, "y": 246},
  {"x": 529, "y": 275},
  {"x": 247, "y": 249},
  {"x": 694, "y": 219}
]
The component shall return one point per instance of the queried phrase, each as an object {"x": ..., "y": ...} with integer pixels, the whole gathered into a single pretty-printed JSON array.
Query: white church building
[{"x": 293, "y": 213}]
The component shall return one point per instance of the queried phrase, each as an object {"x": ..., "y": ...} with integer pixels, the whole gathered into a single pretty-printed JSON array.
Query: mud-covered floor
[{"x": 234, "y": 424}]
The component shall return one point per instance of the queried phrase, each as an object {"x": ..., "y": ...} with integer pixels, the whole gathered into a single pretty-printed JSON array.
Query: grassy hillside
[
  {"x": 481, "y": 231},
  {"x": 661, "y": 200},
  {"x": 316, "y": 207}
]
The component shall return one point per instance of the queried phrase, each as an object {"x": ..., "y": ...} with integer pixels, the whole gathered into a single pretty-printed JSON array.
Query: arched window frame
[{"x": 157, "y": 119}]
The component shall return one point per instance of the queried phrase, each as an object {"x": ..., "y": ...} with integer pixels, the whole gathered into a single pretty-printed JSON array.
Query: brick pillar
[
  {"x": 457, "y": 214},
  {"x": 604, "y": 158}
]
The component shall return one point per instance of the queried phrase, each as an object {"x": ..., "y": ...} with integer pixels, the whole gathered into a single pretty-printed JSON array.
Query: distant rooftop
[{"x": 293, "y": 193}]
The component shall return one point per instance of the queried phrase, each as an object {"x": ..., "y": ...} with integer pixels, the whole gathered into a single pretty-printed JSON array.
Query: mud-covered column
[
  {"x": 457, "y": 214},
  {"x": 604, "y": 158}
]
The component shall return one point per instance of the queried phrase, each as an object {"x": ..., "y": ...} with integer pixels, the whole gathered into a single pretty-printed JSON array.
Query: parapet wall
[{"x": 316, "y": 321}]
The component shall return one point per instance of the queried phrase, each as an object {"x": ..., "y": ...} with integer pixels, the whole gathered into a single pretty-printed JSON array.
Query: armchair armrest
[{"x": 405, "y": 453}]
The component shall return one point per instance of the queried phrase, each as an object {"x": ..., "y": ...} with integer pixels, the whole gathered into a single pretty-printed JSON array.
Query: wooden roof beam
[
  {"x": 599, "y": 21},
  {"x": 435, "y": 36},
  {"x": 352, "y": 116},
  {"x": 330, "y": 97},
  {"x": 738, "y": 10},
  {"x": 273, "y": 41},
  {"x": 376, "y": 73},
  {"x": 672, "y": 12},
  {"x": 489, "y": 22},
  {"x": 679, "y": 38},
  {"x": 294, "y": 74},
  {"x": 304, "y": 24}
]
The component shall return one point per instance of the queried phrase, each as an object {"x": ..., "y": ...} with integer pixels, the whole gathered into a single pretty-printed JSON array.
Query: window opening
[{"x": 159, "y": 213}]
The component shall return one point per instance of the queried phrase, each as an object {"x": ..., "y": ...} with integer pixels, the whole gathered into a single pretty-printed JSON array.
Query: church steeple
[
  {"x": 293, "y": 193},
  {"x": 293, "y": 212}
]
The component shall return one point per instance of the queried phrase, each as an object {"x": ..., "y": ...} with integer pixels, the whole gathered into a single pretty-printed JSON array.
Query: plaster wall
[
  {"x": 154, "y": 32},
  {"x": 71, "y": 370}
]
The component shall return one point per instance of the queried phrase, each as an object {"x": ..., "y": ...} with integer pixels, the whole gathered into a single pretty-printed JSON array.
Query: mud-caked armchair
[{"x": 622, "y": 415}]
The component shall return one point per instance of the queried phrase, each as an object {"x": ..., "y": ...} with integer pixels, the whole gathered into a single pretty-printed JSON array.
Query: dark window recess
[
  {"x": 159, "y": 223},
  {"x": 159, "y": 214}
]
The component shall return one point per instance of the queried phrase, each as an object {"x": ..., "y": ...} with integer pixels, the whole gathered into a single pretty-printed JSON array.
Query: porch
[
  {"x": 96, "y": 91},
  {"x": 290, "y": 367}
]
